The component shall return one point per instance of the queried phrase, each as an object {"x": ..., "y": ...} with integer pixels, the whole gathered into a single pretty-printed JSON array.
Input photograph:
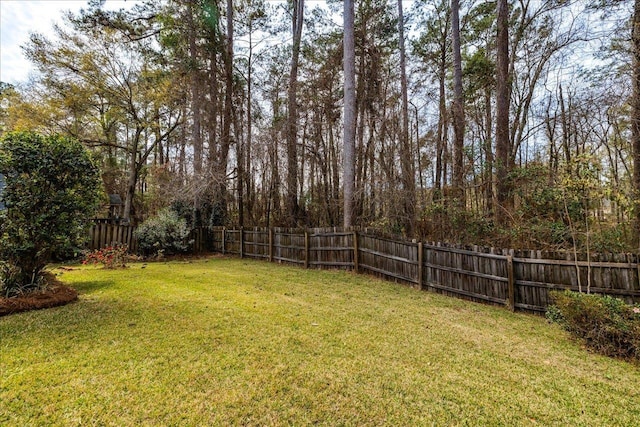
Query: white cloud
[{"x": 19, "y": 18}]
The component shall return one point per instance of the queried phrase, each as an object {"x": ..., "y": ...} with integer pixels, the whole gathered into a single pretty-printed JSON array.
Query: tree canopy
[{"x": 475, "y": 125}]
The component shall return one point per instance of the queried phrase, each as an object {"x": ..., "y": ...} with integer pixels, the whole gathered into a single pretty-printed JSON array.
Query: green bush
[
  {"x": 611, "y": 238},
  {"x": 52, "y": 189},
  {"x": 164, "y": 234},
  {"x": 606, "y": 324}
]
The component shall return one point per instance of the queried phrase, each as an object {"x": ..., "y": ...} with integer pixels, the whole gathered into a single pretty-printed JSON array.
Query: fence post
[
  {"x": 511, "y": 300},
  {"x": 270, "y": 244},
  {"x": 128, "y": 236},
  {"x": 356, "y": 265},
  {"x": 420, "y": 267},
  {"x": 637, "y": 260},
  {"x": 306, "y": 248},
  {"x": 224, "y": 238},
  {"x": 102, "y": 230},
  {"x": 241, "y": 242},
  {"x": 93, "y": 237}
]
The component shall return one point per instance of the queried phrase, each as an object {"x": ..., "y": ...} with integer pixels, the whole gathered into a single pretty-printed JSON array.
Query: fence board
[
  {"x": 388, "y": 258},
  {"x": 330, "y": 250},
  {"x": 288, "y": 246},
  {"x": 479, "y": 274},
  {"x": 103, "y": 234},
  {"x": 256, "y": 243}
]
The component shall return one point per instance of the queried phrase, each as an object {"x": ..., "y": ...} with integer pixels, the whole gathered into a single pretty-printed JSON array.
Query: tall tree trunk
[
  {"x": 503, "y": 149},
  {"x": 488, "y": 150},
  {"x": 196, "y": 109},
  {"x": 214, "y": 99},
  {"x": 406, "y": 154},
  {"x": 196, "y": 97},
  {"x": 220, "y": 172},
  {"x": 158, "y": 155},
  {"x": 566, "y": 132},
  {"x": 441, "y": 134},
  {"x": 457, "y": 108},
  {"x": 635, "y": 122},
  {"x": 292, "y": 206},
  {"x": 240, "y": 152},
  {"x": 349, "y": 112},
  {"x": 335, "y": 175},
  {"x": 132, "y": 179},
  {"x": 247, "y": 169},
  {"x": 182, "y": 158},
  {"x": 273, "y": 204}
]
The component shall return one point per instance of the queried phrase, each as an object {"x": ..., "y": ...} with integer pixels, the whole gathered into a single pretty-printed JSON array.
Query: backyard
[{"x": 220, "y": 341}]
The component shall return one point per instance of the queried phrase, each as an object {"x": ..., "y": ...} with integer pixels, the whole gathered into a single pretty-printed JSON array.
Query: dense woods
[{"x": 508, "y": 122}]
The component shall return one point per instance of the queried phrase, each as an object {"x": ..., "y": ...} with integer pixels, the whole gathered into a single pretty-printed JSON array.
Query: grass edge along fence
[{"x": 516, "y": 279}]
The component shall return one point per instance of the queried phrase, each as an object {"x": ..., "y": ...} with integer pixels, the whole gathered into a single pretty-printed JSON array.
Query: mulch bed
[{"x": 54, "y": 294}]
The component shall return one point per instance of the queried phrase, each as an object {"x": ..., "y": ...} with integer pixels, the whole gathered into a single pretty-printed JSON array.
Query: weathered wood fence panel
[
  {"x": 232, "y": 242},
  {"x": 200, "y": 240},
  {"x": 288, "y": 246},
  {"x": 539, "y": 272},
  {"x": 103, "y": 234},
  {"x": 464, "y": 273},
  {"x": 517, "y": 279},
  {"x": 256, "y": 243},
  {"x": 217, "y": 239},
  {"x": 330, "y": 249},
  {"x": 389, "y": 258}
]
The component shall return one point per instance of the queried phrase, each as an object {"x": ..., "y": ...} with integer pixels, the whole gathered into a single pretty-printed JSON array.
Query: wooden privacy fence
[
  {"x": 103, "y": 234},
  {"x": 518, "y": 279}
]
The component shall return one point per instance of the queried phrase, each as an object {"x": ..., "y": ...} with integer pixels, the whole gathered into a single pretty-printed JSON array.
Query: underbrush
[{"x": 606, "y": 324}]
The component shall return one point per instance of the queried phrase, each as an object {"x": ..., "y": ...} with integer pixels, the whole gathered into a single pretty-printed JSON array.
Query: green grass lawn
[{"x": 237, "y": 342}]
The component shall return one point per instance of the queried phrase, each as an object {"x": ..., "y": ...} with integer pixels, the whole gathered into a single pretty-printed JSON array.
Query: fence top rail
[
  {"x": 285, "y": 230},
  {"x": 388, "y": 256},
  {"x": 465, "y": 252},
  {"x": 330, "y": 248},
  {"x": 388, "y": 239},
  {"x": 596, "y": 264},
  {"x": 330, "y": 234}
]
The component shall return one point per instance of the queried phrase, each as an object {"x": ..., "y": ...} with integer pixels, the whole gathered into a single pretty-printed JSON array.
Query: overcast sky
[{"x": 18, "y": 18}]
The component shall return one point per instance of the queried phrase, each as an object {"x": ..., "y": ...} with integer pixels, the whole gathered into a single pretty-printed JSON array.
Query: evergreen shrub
[
  {"x": 164, "y": 234},
  {"x": 51, "y": 191}
]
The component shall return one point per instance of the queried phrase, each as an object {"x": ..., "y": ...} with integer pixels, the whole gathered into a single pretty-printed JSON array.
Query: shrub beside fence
[
  {"x": 103, "y": 234},
  {"x": 518, "y": 279}
]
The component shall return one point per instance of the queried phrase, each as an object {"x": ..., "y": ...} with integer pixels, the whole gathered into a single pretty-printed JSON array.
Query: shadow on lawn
[{"x": 92, "y": 286}]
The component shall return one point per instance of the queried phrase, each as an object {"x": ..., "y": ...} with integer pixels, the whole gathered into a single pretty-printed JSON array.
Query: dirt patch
[{"x": 54, "y": 294}]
